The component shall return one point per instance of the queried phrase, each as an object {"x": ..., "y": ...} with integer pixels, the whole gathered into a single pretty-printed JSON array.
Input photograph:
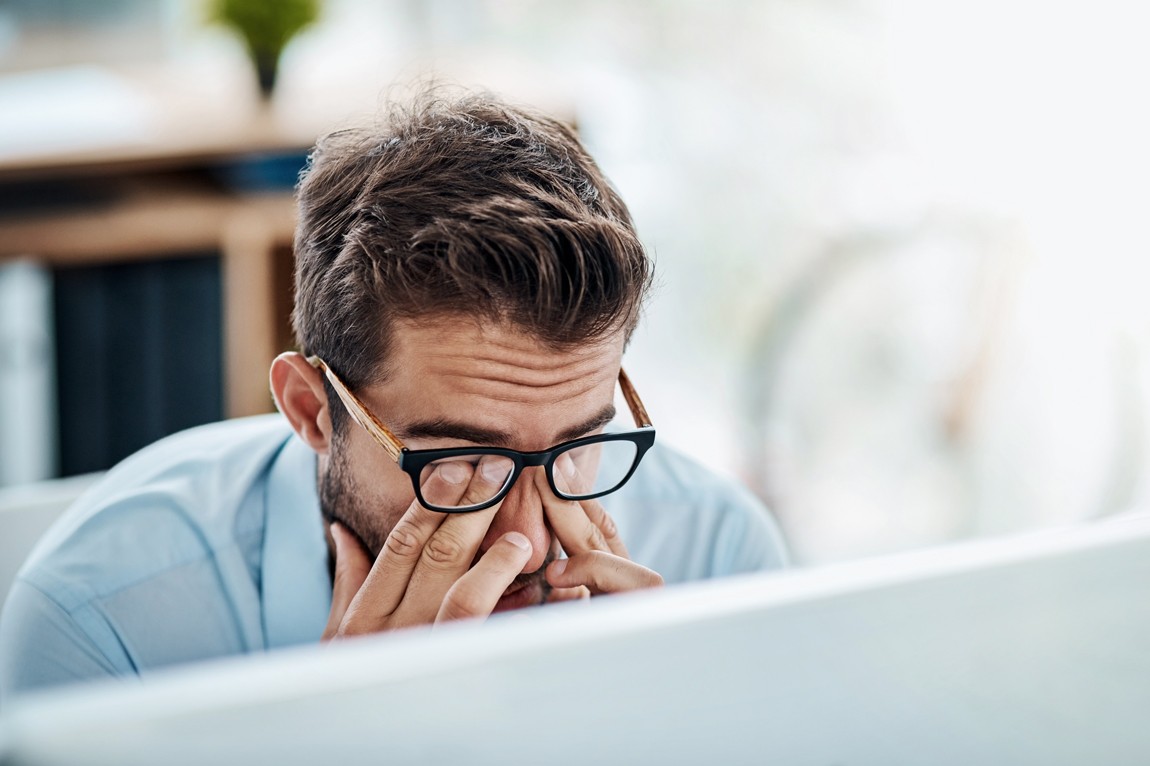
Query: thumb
[{"x": 351, "y": 569}]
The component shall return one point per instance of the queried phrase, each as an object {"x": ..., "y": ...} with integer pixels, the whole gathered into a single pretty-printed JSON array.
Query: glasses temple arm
[
  {"x": 358, "y": 410},
  {"x": 638, "y": 411}
]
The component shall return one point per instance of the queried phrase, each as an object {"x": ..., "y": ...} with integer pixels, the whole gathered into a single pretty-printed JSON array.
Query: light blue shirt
[{"x": 210, "y": 543}]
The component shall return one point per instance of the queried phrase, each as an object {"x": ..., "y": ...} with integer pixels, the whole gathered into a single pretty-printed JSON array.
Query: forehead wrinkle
[
  {"x": 502, "y": 390},
  {"x": 551, "y": 360},
  {"x": 484, "y": 344},
  {"x": 544, "y": 363},
  {"x": 515, "y": 372}
]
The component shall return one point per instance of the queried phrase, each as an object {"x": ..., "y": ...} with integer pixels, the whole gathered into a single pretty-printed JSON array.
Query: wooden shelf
[
  {"x": 163, "y": 202},
  {"x": 147, "y": 227}
]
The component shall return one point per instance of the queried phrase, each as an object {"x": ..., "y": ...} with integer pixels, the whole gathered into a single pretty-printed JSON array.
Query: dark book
[{"x": 138, "y": 355}]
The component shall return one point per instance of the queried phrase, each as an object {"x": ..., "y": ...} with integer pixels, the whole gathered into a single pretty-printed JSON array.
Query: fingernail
[
  {"x": 453, "y": 473},
  {"x": 568, "y": 466},
  {"x": 559, "y": 567},
  {"x": 518, "y": 540}
]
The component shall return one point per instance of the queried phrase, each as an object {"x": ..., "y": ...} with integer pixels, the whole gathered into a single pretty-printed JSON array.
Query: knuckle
[
  {"x": 476, "y": 494},
  {"x": 600, "y": 518},
  {"x": 403, "y": 541},
  {"x": 444, "y": 549},
  {"x": 606, "y": 524},
  {"x": 593, "y": 537},
  {"x": 593, "y": 510}
]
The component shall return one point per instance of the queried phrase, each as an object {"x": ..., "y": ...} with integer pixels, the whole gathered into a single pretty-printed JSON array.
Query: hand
[
  {"x": 424, "y": 572},
  {"x": 597, "y": 559}
]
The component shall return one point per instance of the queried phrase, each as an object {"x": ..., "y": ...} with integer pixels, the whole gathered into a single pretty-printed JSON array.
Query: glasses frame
[{"x": 412, "y": 462}]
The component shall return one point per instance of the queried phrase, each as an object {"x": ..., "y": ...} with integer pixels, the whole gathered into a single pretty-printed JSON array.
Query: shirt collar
[{"x": 295, "y": 581}]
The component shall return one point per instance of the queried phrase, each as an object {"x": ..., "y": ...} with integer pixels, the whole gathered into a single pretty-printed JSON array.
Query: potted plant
[{"x": 266, "y": 26}]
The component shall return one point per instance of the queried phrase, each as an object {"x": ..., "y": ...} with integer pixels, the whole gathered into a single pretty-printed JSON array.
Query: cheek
[
  {"x": 380, "y": 478},
  {"x": 367, "y": 491},
  {"x": 373, "y": 469}
]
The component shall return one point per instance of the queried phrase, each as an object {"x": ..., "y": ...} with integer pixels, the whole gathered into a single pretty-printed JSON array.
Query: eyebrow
[{"x": 441, "y": 428}]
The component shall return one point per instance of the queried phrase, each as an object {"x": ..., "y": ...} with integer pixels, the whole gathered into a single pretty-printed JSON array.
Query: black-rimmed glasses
[{"x": 589, "y": 467}]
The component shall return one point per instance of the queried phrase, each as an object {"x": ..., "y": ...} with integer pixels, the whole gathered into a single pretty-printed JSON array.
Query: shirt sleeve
[
  {"x": 42, "y": 645},
  {"x": 749, "y": 539}
]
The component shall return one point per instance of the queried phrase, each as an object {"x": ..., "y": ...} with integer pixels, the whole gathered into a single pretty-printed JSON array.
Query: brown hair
[{"x": 463, "y": 205}]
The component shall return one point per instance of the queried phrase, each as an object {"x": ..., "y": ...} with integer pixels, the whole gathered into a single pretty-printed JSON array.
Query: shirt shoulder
[
  {"x": 191, "y": 486},
  {"x": 165, "y": 543},
  {"x": 688, "y": 522}
]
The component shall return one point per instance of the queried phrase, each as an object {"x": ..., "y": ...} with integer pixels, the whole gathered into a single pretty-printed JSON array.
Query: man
[{"x": 466, "y": 283}]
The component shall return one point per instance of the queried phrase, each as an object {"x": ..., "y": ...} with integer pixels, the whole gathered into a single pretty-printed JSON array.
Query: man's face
[{"x": 453, "y": 383}]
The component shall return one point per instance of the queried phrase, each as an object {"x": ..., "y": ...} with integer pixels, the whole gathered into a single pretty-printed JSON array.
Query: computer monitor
[{"x": 1033, "y": 650}]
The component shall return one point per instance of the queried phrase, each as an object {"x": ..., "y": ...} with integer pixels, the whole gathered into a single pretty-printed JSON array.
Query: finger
[
  {"x": 574, "y": 530},
  {"x": 452, "y": 548},
  {"x": 601, "y": 573},
  {"x": 477, "y": 592},
  {"x": 600, "y": 518},
  {"x": 568, "y": 594},
  {"x": 568, "y": 476},
  {"x": 491, "y": 473},
  {"x": 352, "y": 566},
  {"x": 388, "y": 580}
]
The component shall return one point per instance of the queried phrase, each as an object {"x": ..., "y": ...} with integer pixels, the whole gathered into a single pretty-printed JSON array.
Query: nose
[{"x": 522, "y": 511}]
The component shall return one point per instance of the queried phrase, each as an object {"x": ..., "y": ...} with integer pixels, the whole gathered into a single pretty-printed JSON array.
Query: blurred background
[{"x": 901, "y": 244}]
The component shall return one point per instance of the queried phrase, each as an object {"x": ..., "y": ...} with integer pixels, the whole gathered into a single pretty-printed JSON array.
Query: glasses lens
[
  {"x": 485, "y": 477},
  {"x": 594, "y": 468}
]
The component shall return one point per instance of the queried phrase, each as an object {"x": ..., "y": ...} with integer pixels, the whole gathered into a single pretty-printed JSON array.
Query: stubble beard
[{"x": 342, "y": 500}]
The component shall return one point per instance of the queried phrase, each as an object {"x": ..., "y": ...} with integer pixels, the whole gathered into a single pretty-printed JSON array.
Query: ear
[{"x": 299, "y": 394}]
